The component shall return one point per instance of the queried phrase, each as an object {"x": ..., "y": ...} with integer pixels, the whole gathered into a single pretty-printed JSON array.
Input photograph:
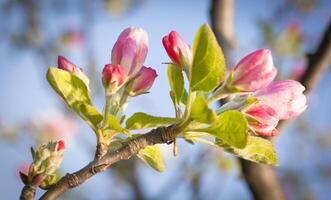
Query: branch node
[
  {"x": 28, "y": 192},
  {"x": 73, "y": 180},
  {"x": 168, "y": 134}
]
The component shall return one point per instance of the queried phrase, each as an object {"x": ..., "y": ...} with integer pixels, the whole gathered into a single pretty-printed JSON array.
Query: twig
[
  {"x": 159, "y": 135},
  {"x": 222, "y": 17},
  {"x": 28, "y": 192}
]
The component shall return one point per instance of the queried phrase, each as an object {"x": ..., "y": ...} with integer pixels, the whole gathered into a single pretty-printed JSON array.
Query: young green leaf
[
  {"x": 201, "y": 112},
  {"x": 90, "y": 114},
  {"x": 208, "y": 62},
  {"x": 142, "y": 120},
  {"x": 176, "y": 82},
  {"x": 151, "y": 155},
  {"x": 115, "y": 125},
  {"x": 257, "y": 150},
  {"x": 198, "y": 137},
  {"x": 71, "y": 88},
  {"x": 231, "y": 127}
]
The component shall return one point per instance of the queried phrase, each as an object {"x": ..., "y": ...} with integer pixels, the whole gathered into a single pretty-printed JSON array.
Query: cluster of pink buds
[
  {"x": 127, "y": 59},
  {"x": 46, "y": 160},
  {"x": 278, "y": 100}
]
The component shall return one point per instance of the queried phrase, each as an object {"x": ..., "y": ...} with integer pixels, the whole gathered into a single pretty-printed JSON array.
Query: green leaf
[
  {"x": 90, "y": 114},
  {"x": 257, "y": 150},
  {"x": 208, "y": 62},
  {"x": 231, "y": 127},
  {"x": 71, "y": 88},
  {"x": 142, "y": 120},
  {"x": 184, "y": 97},
  {"x": 114, "y": 124},
  {"x": 176, "y": 82},
  {"x": 201, "y": 112},
  {"x": 197, "y": 137},
  {"x": 151, "y": 155}
]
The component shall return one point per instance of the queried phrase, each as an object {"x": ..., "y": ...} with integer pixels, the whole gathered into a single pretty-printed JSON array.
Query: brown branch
[
  {"x": 28, "y": 192},
  {"x": 318, "y": 62},
  {"x": 222, "y": 17},
  {"x": 159, "y": 135},
  {"x": 261, "y": 179}
]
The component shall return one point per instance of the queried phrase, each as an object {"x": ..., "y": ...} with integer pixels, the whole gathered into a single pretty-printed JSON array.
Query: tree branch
[
  {"x": 222, "y": 17},
  {"x": 318, "y": 62},
  {"x": 28, "y": 192},
  {"x": 159, "y": 135}
]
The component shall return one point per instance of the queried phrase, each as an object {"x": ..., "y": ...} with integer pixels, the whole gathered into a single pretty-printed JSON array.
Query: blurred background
[{"x": 33, "y": 33}]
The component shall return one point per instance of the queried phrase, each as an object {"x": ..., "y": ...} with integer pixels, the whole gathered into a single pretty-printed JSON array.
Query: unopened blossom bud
[
  {"x": 179, "y": 52},
  {"x": 113, "y": 78},
  {"x": 143, "y": 82},
  {"x": 60, "y": 146},
  {"x": 48, "y": 158},
  {"x": 262, "y": 119},
  {"x": 285, "y": 97},
  {"x": 130, "y": 50},
  {"x": 66, "y": 65},
  {"x": 254, "y": 71}
]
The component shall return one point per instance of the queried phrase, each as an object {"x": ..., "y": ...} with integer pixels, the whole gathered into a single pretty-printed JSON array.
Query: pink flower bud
[
  {"x": 254, "y": 71},
  {"x": 60, "y": 146},
  {"x": 285, "y": 97},
  {"x": 263, "y": 120},
  {"x": 143, "y": 82},
  {"x": 113, "y": 78},
  {"x": 66, "y": 65},
  {"x": 130, "y": 50},
  {"x": 179, "y": 52}
]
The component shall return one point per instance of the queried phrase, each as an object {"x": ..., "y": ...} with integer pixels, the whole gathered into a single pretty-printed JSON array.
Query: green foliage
[
  {"x": 151, "y": 155},
  {"x": 71, "y": 88},
  {"x": 75, "y": 93},
  {"x": 208, "y": 62},
  {"x": 257, "y": 150},
  {"x": 184, "y": 97},
  {"x": 90, "y": 114},
  {"x": 142, "y": 120},
  {"x": 200, "y": 137},
  {"x": 200, "y": 110},
  {"x": 176, "y": 82},
  {"x": 230, "y": 127},
  {"x": 115, "y": 125}
]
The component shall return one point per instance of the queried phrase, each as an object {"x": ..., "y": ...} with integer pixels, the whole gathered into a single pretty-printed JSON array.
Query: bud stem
[
  {"x": 190, "y": 98},
  {"x": 106, "y": 112},
  {"x": 220, "y": 93}
]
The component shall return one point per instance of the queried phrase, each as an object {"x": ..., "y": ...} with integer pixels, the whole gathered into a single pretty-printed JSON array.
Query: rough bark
[
  {"x": 156, "y": 136},
  {"x": 28, "y": 192}
]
